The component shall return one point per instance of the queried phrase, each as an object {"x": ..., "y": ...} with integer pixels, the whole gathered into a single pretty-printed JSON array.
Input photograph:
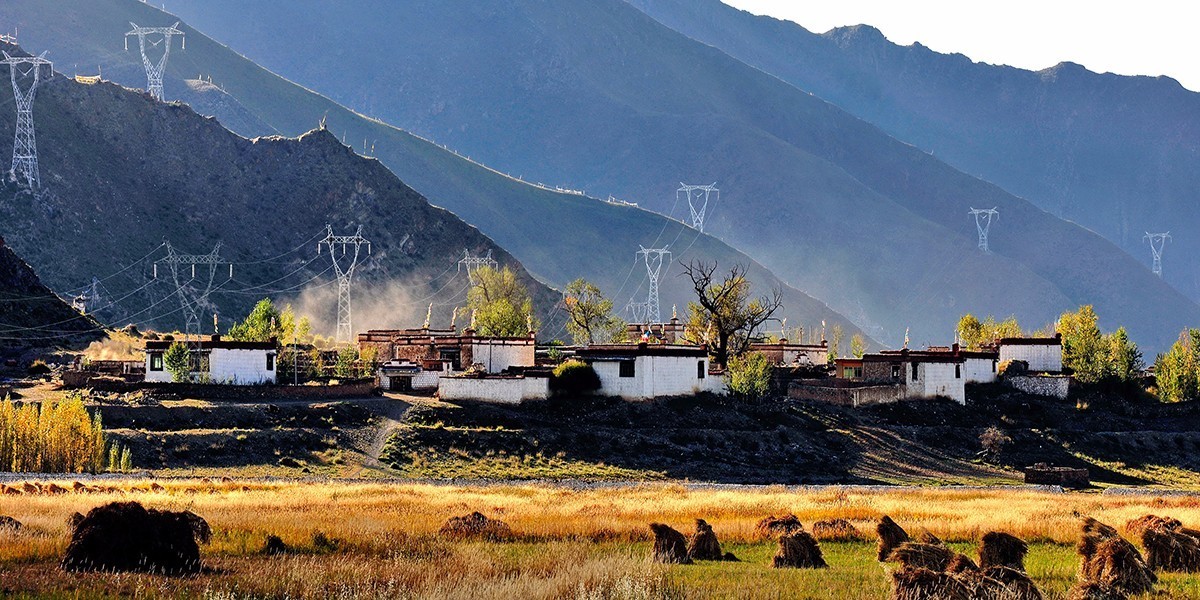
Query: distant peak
[{"x": 856, "y": 33}]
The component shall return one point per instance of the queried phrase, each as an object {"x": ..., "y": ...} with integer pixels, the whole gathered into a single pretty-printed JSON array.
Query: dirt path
[{"x": 389, "y": 421}]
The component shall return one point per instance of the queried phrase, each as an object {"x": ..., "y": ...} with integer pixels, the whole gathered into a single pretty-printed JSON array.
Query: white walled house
[
  {"x": 980, "y": 367},
  {"x": 782, "y": 353},
  {"x": 920, "y": 374},
  {"x": 646, "y": 371},
  {"x": 497, "y": 354},
  {"x": 416, "y": 359},
  {"x": 218, "y": 361},
  {"x": 1044, "y": 355},
  {"x": 500, "y": 389}
]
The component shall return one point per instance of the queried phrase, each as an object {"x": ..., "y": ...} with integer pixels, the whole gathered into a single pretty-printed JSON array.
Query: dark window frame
[
  {"x": 701, "y": 370},
  {"x": 957, "y": 371},
  {"x": 270, "y": 362},
  {"x": 916, "y": 375},
  {"x": 156, "y": 361},
  {"x": 627, "y": 368}
]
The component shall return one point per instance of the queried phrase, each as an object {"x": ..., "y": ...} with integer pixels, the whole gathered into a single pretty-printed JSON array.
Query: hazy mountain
[
  {"x": 29, "y": 312},
  {"x": 1119, "y": 155},
  {"x": 600, "y": 96},
  {"x": 558, "y": 236},
  {"x": 123, "y": 173}
]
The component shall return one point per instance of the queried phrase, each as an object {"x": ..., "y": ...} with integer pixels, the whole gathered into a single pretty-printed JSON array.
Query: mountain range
[{"x": 598, "y": 96}]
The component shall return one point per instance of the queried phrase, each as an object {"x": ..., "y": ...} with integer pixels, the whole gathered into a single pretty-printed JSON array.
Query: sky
[{"x": 1147, "y": 37}]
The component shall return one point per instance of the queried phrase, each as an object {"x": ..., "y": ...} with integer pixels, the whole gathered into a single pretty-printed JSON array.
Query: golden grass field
[{"x": 569, "y": 543}]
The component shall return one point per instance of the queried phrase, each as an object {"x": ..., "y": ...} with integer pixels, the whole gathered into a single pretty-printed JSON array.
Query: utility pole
[
  {"x": 654, "y": 258},
  {"x": 193, "y": 291},
  {"x": 472, "y": 263},
  {"x": 697, "y": 199},
  {"x": 26, "y": 74},
  {"x": 983, "y": 222},
  {"x": 155, "y": 36},
  {"x": 1157, "y": 242},
  {"x": 345, "y": 330}
]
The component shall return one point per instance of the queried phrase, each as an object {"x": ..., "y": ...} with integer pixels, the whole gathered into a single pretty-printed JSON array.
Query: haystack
[
  {"x": 924, "y": 584},
  {"x": 31, "y": 488},
  {"x": 274, "y": 546},
  {"x": 891, "y": 535},
  {"x": 704, "y": 544},
  {"x": 73, "y": 521},
  {"x": 79, "y": 487},
  {"x": 798, "y": 550},
  {"x": 1015, "y": 585},
  {"x": 961, "y": 563},
  {"x": 999, "y": 549},
  {"x": 835, "y": 530},
  {"x": 1135, "y": 527},
  {"x": 669, "y": 545},
  {"x": 1111, "y": 560},
  {"x": 11, "y": 490},
  {"x": 54, "y": 489},
  {"x": 7, "y": 522},
  {"x": 1095, "y": 591},
  {"x": 1171, "y": 550},
  {"x": 476, "y": 526},
  {"x": 915, "y": 555},
  {"x": 926, "y": 537},
  {"x": 124, "y": 536},
  {"x": 772, "y": 525}
]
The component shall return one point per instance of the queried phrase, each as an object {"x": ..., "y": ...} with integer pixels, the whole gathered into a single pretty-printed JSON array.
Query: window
[
  {"x": 895, "y": 372},
  {"x": 156, "y": 362},
  {"x": 994, "y": 366},
  {"x": 701, "y": 370},
  {"x": 915, "y": 376},
  {"x": 270, "y": 362},
  {"x": 958, "y": 371},
  {"x": 626, "y": 368}
]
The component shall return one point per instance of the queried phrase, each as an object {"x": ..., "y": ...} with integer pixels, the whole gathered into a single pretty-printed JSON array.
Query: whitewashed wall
[
  {"x": 979, "y": 370},
  {"x": 936, "y": 379},
  {"x": 245, "y": 367},
  {"x": 1042, "y": 358},
  {"x": 656, "y": 376},
  {"x": 501, "y": 390},
  {"x": 496, "y": 356}
]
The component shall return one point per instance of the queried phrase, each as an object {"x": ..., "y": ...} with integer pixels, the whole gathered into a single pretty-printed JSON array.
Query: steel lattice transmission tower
[
  {"x": 1157, "y": 242},
  {"x": 698, "y": 196},
  {"x": 345, "y": 329},
  {"x": 87, "y": 301},
  {"x": 472, "y": 264},
  {"x": 193, "y": 290},
  {"x": 155, "y": 36},
  {"x": 638, "y": 311},
  {"x": 26, "y": 74},
  {"x": 654, "y": 257},
  {"x": 983, "y": 222}
]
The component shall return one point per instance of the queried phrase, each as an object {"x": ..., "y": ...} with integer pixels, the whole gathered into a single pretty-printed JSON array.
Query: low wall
[
  {"x": 846, "y": 395},
  {"x": 1064, "y": 476},
  {"x": 501, "y": 390},
  {"x": 238, "y": 393},
  {"x": 1051, "y": 386}
]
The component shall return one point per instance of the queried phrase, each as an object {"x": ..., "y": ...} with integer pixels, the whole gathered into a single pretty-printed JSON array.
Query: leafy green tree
[
  {"x": 346, "y": 357},
  {"x": 970, "y": 332},
  {"x": 178, "y": 362},
  {"x": 500, "y": 304},
  {"x": 858, "y": 346},
  {"x": 1175, "y": 371},
  {"x": 590, "y": 317},
  {"x": 749, "y": 375},
  {"x": 265, "y": 322},
  {"x": 723, "y": 315},
  {"x": 835, "y": 341},
  {"x": 1124, "y": 358},
  {"x": 974, "y": 334},
  {"x": 1084, "y": 348}
]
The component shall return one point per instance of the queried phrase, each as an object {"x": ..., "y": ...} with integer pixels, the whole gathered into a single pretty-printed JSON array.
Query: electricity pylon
[
  {"x": 1157, "y": 242},
  {"x": 472, "y": 264},
  {"x": 87, "y": 301},
  {"x": 26, "y": 74},
  {"x": 193, "y": 291},
  {"x": 983, "y": 222},
  {"x": 654, "y": 263},
  {"x": 344, "y": 274},
  {"x": 638, "y": 311},
  {"x": 157, "y": 36},
  {"x": 697, "y": 195}
]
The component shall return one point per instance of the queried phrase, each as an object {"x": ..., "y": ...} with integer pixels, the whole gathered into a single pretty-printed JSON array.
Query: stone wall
[
  {"x": 845, "y": 395},
  {"x": 1051, "y": 386}
]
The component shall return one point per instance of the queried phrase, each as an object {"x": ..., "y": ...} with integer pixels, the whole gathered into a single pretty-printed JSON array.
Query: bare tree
[{"x": 724, "y": 316}]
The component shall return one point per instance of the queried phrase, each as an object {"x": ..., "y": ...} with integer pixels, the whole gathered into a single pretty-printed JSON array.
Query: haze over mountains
[
  {"x": 558, "y": 236},
  {"x": 598, "y": 96},
  {"x": 1119, "y": 155}
]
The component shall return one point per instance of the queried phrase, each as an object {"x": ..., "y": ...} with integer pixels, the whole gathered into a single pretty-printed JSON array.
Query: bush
[
  {"x": 178, "y": 362},
  {"x": 1010, "y": 368},
  {"x": 749, "y": 375},
  {"x": 574, "y": 377},
  {"x": 38, "y": 368}
]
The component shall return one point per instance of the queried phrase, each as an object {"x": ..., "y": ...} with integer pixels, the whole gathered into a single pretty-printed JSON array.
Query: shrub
[
  {"x": 1010, "y": 368},
  {"x": 575, "y": 377},
  {"x": 38, "y": 368},
  {"x": 749, "y": 375},
  {"x": 178, "y": 361}
]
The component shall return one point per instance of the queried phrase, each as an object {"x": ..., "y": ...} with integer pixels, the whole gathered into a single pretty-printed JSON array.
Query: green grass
[{"x": 456, "y": 464}]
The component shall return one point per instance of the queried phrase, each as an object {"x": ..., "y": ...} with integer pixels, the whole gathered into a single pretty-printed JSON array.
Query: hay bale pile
[
  {"x": 274, "y": 546},
  {"x": 9, "y": 523},
  {"x": 835, "y": 530},
  {"x": 1170, "y": 546},
  {"x": 915, "y": 555},
  {"x": 798, "y": 550},
  {"x": 891, "y": 536},
  {"x": 771, "y": 526},
  {"x": 669, "y": 545},
  {"x": 124, "y": 536},
  {"x": 923, "y": 584},
  {"x": 1095, "y": 591},
  {"x": 999, "y": 549},
  {"x": 704, "y": 544},
  {"x": 1111, "y": 561},
  {"x": 476, "y": 526}
]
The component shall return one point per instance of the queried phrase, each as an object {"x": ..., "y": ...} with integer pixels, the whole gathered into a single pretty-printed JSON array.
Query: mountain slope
[
  {"x": 1116, "y": 154},
  {"x": 600, "y": 95},
  {"x": 558, "y": 236},
  {"x": 124, "y": 173},
  {"x": 29, "y": 312}
]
